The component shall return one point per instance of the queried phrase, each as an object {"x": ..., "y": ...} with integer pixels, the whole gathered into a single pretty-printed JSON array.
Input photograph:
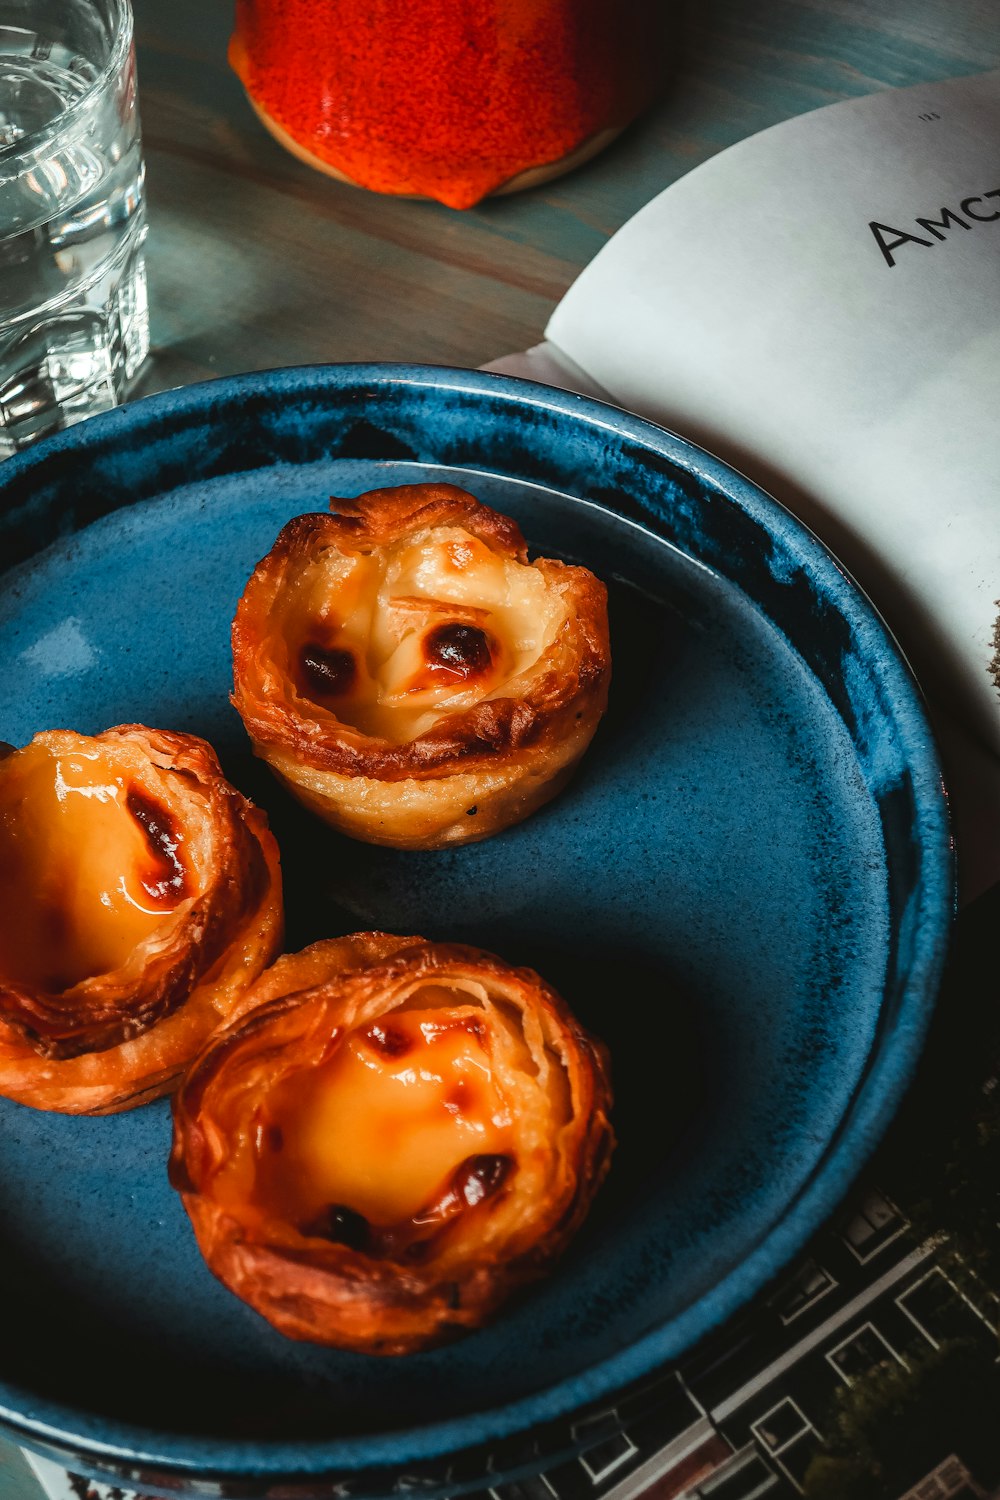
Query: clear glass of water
[{"x": 74, "y": 327}]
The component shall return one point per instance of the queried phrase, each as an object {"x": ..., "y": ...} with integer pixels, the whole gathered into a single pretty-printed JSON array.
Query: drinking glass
[{"x": 74, "y": 326}]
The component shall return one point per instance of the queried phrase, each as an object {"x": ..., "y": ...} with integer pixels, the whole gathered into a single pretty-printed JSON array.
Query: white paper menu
[{"x": 820, "y": 305}]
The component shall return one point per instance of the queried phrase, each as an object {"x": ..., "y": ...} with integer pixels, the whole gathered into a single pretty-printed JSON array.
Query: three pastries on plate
[
  {"x": 394, "y": 1138},
  {"x": 377, "y": 1139},
  {"x": 410, "y": 675},
  {"x": 140, "y": 894}
]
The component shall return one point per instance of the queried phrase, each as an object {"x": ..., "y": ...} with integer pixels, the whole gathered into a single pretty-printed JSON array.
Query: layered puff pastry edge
[
  {"x": 140, "y": 895},
  {"x": 409, "y": 675},
  {"x": 392, "y": 1140}
]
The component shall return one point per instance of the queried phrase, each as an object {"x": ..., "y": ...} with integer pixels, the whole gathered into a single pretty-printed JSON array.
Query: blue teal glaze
[{"x": 752, "y": 865}]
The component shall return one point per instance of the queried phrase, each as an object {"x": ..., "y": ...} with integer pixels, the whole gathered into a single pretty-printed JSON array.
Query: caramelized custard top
[
  {"x": 389, "y": 641},
  {"x": 90, "y": 865},
  {"x": 403, "y": 1125}
]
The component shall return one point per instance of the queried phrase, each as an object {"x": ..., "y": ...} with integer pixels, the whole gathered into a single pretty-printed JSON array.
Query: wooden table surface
[{"x": 257, "y": 261}]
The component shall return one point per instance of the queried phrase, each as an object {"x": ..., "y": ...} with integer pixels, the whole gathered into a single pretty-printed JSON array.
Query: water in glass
[{"x": 74, "y": 327}]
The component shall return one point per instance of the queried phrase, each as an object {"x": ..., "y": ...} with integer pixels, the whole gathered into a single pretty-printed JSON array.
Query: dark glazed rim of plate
[{"x": 895, "y": 1050}]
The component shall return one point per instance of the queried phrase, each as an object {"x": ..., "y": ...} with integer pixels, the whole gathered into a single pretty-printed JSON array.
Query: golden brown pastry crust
[
  {"x": 499, "y": 1222},
  {"x": 482, "y": 757},
  {"x": 121, "y": 1038}
]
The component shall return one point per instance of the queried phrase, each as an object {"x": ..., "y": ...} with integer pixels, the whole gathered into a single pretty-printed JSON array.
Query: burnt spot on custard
[
  {"x": 472, "y": 1182},
  {"x": 461, "y": 652},
  {"x": 480, "y": 1177},
  {"x": 342, "y": 1226},
  {"x": 326, "y": 671},
  {"x": 165, "y": 879},
  {"x": 390, "y": 1040},
  {"x": 460, "y": 1097}
]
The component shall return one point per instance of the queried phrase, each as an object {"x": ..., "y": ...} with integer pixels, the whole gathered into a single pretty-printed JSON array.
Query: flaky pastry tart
[
  {"x": 408, "y": 673},
  {"x": 396, "y": 1136},
  {"x": 140, "y": 895}
]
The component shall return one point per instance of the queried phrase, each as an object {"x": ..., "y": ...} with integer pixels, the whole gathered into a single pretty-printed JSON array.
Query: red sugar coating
[{"x": 446, "y": 99}]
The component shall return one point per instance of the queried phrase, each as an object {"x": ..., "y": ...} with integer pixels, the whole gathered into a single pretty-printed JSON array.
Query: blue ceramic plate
[{"x": 746, "y": 891}]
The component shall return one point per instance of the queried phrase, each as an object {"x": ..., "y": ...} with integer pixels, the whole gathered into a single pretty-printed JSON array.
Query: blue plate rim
[{"x": 878, "y": 1094}]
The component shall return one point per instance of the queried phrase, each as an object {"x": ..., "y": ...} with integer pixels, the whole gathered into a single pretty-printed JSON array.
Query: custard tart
[
  {"x": 392, "y": 1139},
  {"x": 410, "y": 675},
  {"x": 140, "y": 895}
]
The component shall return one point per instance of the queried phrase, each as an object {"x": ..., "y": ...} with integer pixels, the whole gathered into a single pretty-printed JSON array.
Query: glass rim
[{"x": 120, "y": 15}]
